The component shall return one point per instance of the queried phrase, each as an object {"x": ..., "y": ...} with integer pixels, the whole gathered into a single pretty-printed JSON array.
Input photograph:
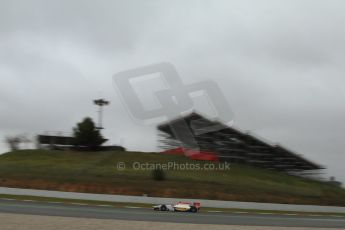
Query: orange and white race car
[{"x": 179, "y": 207}]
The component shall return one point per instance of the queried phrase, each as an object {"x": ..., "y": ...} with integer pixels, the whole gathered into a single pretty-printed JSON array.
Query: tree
[
  {"x": 17, "y": 141},
  {"x": 87, "y": 135},
  {"x": 13, "y": 142}
]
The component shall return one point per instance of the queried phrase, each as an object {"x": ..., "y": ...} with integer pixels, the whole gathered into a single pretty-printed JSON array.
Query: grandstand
[{"x": 233, "y": 145}]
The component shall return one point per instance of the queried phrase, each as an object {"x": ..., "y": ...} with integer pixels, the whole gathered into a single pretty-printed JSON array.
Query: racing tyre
[
  {"x": 163, "y": 208},
  {"x": 193, "y": 209}
]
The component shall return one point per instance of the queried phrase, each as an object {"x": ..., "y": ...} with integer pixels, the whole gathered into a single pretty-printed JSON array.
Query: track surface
[{"x": 142, "y": 214}]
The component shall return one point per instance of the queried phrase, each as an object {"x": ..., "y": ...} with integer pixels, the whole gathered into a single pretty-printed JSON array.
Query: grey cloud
[{"x": 279, "y": 63}]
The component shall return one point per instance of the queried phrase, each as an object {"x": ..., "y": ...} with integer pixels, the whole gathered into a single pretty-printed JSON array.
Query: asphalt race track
[{"x": 143, "y": 214}]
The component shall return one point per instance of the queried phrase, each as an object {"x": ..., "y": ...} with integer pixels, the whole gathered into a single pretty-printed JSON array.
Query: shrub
[{"x": 158, "y": 175}]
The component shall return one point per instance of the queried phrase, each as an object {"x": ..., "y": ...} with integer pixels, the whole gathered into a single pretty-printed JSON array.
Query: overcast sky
[{"x": 280, "y": 65}]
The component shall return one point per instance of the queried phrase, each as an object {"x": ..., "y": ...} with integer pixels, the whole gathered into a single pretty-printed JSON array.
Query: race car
[{"x": 178, "y": 207}]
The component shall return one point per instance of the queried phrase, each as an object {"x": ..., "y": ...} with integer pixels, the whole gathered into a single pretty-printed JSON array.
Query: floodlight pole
[{"x": 100, "y": 102}]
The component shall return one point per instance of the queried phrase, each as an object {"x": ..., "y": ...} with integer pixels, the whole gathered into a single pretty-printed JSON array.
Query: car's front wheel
[{"x": 163, "y": 208}]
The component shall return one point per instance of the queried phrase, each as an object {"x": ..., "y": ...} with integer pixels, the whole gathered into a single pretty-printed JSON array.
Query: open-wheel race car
[{"x": 179, "y": 207}]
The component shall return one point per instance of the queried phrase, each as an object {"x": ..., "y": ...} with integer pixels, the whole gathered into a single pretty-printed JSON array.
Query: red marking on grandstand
[{"x": 193, "y": 154}]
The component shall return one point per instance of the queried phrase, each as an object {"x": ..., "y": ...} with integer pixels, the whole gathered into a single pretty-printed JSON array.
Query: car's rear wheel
[
  {"x": 193, "y": 209},
  {"x": 163, "y": 208}
]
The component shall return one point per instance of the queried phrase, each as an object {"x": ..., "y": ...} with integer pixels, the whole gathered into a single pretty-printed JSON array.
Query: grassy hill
[{"x": 96, "y": 172}]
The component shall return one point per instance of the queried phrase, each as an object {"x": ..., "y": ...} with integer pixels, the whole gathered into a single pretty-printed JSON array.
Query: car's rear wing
[{"x": 197, "y": 204}]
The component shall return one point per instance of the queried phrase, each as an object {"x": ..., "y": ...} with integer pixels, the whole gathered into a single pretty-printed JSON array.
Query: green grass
[{"x": 96, "y": 172}]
